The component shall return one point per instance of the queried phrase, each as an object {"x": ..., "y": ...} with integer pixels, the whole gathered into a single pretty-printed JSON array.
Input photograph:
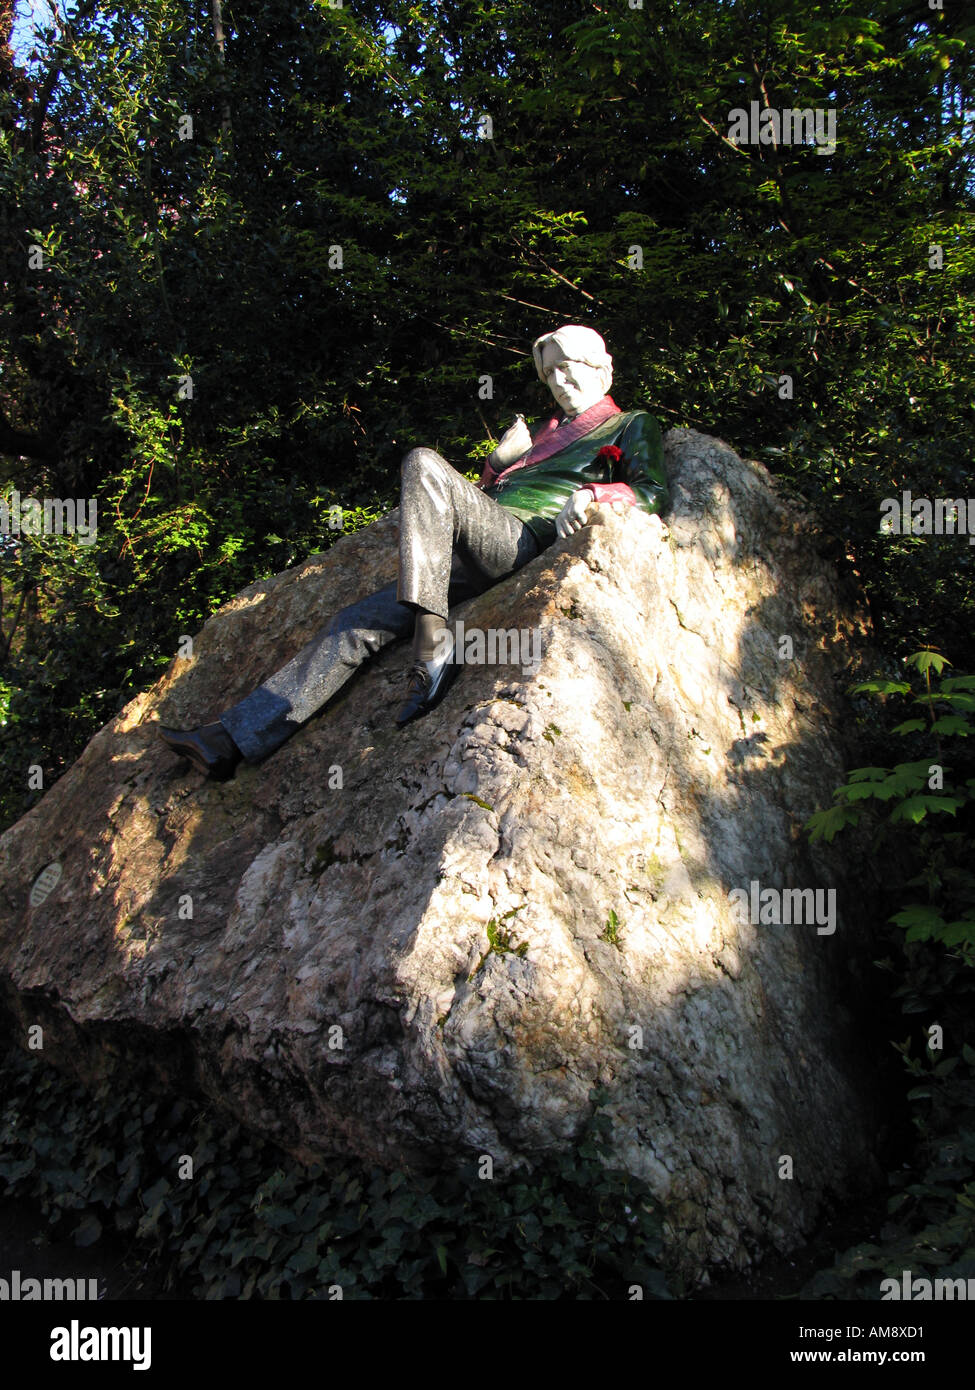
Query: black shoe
[
  {"x": 426, "y": 688},
  {"x": 209, "y": 748}
]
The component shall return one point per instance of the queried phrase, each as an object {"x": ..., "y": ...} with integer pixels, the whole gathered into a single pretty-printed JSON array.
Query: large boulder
[{"x": 434, "y": 943}]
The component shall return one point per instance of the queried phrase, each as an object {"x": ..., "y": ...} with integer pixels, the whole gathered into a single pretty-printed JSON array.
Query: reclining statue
[{"x": 456, "y": 540}]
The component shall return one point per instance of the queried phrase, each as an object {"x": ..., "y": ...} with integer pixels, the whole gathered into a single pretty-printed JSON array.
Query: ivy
[{"x": 253, "y": 1223}]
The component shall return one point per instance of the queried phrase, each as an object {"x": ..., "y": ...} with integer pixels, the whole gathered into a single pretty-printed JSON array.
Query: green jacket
[{"x": 538, "y": 492}]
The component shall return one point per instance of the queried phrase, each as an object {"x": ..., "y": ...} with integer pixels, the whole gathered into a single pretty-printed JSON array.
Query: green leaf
[
  {"x": 952, "y": 724},
  {"x": 157, "y": 1191},
  {"x": 915, "y": 808},
  {"x": 927, "y": 660},
  {"x": 861, "y": 791},
  {"x": 87, "y": 1231},
  {"x": 826, "y": 825},
  {"x": 304, "y": 1259},
  {"x": 882, "y": 688},
  {"x": 955, "y": 933},
  {"x": 922, "y": 921},
  {"x": 276, "y": 1217}
]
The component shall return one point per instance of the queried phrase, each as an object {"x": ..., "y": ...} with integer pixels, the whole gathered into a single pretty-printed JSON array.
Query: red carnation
[{"x": 611, "y": 452}]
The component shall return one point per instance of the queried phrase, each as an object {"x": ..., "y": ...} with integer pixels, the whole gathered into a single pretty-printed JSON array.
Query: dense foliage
[
  {"x": 250, "y": 1222},
  {"x": 920, "y": 815}
]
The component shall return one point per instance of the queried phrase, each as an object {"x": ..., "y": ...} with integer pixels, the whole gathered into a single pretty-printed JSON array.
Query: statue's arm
[{"x": 513, "y": 445}]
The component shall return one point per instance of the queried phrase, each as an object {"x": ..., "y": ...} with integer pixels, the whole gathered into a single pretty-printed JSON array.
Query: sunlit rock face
[{"x": 308, "y": 944}]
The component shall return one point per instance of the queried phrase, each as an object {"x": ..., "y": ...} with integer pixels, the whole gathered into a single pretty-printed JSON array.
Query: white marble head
[{"x": 575, "y": 366}]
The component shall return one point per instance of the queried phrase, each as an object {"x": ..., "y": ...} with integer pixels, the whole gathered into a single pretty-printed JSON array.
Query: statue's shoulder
[
  {"x": 640, "y": 436},
  {"x": 639, "y": 421}
]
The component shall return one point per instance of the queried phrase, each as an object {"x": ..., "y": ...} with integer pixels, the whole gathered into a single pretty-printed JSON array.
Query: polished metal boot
[
  {"x": 428, "y": 683},
  {"x": 209, "y": 748}
]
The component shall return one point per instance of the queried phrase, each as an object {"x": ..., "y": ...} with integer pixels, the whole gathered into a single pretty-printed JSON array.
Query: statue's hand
[
  {"x": 515, "y": 441},
  {"x": 572, "y": 517}
]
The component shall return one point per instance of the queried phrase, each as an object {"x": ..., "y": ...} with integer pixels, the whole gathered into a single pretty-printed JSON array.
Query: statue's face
[{"x": 575, "y": 385}]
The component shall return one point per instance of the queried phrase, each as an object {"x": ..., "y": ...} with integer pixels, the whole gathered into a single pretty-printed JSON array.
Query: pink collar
[{"x": 558, "y": 432}]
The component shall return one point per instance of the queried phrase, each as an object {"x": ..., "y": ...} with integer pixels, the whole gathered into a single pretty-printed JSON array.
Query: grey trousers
[{"x": 454, "y": 543}]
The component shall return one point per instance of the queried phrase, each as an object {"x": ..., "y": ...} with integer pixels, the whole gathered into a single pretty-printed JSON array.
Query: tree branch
[
  {"x": 557, "y": 273},
  {"x": 54, "y": 72},
  {"x": 221, "y": 44},
  {"x": 8, "y": 640}
]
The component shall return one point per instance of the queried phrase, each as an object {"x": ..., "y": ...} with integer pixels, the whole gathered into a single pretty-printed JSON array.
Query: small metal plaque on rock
[{"x": 45, "y": 883}]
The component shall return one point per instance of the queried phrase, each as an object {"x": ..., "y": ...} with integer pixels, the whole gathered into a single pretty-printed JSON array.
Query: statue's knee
[{"x": 420, "y": 461}]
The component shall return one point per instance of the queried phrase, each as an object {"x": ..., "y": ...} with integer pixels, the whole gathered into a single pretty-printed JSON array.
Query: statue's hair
[{"x": 579, "y": 345}]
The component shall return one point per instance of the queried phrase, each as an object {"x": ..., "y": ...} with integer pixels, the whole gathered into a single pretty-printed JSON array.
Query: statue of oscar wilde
[{"x": 456, "y": 540}]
